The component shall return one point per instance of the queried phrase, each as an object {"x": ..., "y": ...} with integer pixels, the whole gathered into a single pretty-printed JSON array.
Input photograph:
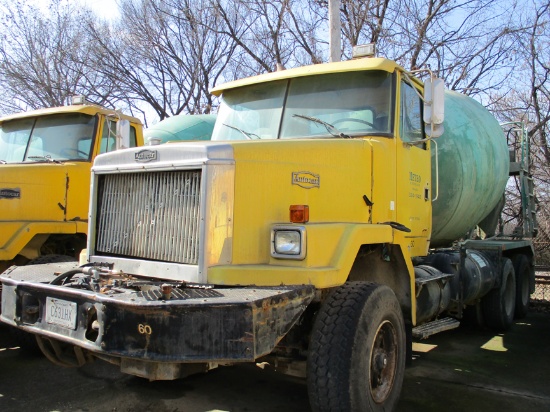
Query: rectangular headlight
[{"x": 288, "y": 242}]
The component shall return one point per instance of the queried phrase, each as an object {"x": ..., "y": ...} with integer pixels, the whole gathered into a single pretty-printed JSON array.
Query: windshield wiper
[
  {"x": 248, "y": 135},
  {"x": 330, "y": 128},
  {"x": 47, "y": 158}
]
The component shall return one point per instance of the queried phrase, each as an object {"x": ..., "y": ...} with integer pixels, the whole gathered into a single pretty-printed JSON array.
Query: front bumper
[{"x": 199, "y": 324}]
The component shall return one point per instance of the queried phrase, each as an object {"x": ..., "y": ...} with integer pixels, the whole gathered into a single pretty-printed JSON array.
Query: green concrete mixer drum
[
  {"x": 473, "y": 168},
  {"x": 181, "y": 128}
]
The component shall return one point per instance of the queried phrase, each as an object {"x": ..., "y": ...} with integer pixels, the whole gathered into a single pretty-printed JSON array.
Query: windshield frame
[
  {"x": 51, "y": 138},
  {"x": 239, "y": 115}
]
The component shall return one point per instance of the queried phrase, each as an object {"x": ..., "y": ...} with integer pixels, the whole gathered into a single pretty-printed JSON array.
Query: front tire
[{"x": 356, "y": 358}]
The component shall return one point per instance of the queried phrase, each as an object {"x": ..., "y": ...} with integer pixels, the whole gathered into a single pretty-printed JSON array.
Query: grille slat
[{"x": 152, "y": 216}]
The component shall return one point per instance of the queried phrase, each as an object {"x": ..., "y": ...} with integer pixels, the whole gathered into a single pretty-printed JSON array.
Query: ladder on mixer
[{"x": 520, "y": 166}]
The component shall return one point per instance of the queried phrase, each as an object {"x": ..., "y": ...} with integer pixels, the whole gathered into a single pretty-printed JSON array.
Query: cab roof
[
  {"x": 77, "y": 108},
  {"x": 374, "y": 63}
]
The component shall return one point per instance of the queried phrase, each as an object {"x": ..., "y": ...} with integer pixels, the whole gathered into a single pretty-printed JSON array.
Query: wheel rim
[{"x": 383, "y": 363}]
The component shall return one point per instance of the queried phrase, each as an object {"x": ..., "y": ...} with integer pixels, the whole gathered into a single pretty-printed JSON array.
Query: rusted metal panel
[{"x": 196, "y": 324}]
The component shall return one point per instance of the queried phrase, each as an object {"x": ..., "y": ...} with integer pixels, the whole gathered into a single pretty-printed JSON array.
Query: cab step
[{"x": 436, "y": 326}]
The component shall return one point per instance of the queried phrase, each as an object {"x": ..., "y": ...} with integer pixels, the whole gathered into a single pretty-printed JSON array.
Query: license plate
[{"x": 61, "y": 312}]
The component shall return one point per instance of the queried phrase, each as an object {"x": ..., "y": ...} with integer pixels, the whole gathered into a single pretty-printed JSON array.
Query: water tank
[{"x": 473, "y": 168}]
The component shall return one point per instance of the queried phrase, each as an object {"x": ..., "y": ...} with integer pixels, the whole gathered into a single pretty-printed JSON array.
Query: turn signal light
[{"x": 299, "y": 213}]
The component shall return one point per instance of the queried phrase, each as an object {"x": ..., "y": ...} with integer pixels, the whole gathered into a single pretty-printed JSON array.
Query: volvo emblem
[
  {"x": 307, "y": 180},
  {"x": 146, "y": 155}
]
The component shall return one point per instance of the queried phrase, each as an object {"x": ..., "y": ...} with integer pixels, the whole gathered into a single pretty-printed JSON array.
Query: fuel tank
[{"x": 472, "y": 166}]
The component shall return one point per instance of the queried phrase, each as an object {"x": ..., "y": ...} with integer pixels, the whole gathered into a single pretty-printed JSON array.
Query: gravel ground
[
  {"x": 540, "y": 300},
  {"x": 461, "y": 370}
]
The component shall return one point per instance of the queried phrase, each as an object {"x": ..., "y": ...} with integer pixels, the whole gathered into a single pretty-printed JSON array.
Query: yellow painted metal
[
  {"x": 317, "y": 69},
  {"x": 86, "y": 109},
  {"x": 347, "y": 170},
  {"x": 329, "y": 266},
  {"x": 219, "y": 210},
  {"x": 340, "y": 219},
  {"x": 264, "y": 189},
  {"x": 413, "y": 188},
  {"x": 46, "y": 201},
  {"x": 54, "y": 197},
  {"x": 25, "y": 232},
  {"x": 393, "y": 175}
]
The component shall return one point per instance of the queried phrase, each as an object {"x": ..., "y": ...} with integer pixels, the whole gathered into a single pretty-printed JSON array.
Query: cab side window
[
  {"x": 133, "y": 139},
  {"x": 411, "y": 114},
  {"x": 108, "y": 140}
]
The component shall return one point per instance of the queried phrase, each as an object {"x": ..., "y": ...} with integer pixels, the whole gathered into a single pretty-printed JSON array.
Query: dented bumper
[{"x": 195, "y": 324}]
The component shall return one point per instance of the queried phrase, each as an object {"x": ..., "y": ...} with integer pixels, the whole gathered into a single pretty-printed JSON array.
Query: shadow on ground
[{"x": 460, "y": 370}]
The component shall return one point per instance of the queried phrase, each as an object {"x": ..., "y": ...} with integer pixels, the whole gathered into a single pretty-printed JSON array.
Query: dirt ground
[{"x": 460, "y": 370}]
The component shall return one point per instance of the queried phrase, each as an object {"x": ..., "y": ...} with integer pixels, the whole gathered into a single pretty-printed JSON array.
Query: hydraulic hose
[{"x": 66, "y": 275}]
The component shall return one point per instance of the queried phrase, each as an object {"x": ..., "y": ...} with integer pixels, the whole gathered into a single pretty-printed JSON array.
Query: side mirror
[
  {"x": 434, "y": 106},
  {"x": 122, "y": 134}
]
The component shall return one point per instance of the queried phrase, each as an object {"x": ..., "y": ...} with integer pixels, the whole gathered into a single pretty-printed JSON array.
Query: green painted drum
[
  {"x": 182, "y": 127},
  {"x": 473, "y": 168}
]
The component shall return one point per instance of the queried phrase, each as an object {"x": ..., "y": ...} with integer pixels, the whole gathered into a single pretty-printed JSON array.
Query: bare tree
[
  {"x": 363, "y": 21},
  {"x": 306, "y": 24},
  {"x": 270, "y": 32},
  {"x": 529, "y": 102},
  {"x": 41, "y": 57},
  {"x": 468, "y": 42},
  {"x": 539, "y": 65},
  {"x": 164, "y": 61}
]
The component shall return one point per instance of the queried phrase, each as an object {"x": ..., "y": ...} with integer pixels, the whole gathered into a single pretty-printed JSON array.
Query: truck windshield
[
  {"x": 52, "y": 138},
  {"x": 349, "y": 104}
]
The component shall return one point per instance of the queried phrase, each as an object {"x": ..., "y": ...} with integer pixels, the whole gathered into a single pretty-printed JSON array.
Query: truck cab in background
[{"x": 45, "y": 161}]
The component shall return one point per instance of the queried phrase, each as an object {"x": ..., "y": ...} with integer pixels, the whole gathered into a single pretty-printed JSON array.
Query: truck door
[{"x": 413, "y": 197}]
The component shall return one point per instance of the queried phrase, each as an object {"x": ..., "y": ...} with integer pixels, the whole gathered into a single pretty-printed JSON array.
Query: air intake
[{"x": 153, "y": 215}]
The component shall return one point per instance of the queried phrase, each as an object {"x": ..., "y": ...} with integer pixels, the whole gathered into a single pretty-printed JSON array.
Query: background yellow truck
[
  {"x": 317, "y": 232},
  {"x": 45, "y": 161}
]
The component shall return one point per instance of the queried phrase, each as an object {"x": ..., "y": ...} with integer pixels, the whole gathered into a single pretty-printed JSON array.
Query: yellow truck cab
[{"x": 45, "y": 161}]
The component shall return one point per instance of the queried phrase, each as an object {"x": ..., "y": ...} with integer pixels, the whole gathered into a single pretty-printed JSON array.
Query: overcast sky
[{"x": 103, "y": 8}]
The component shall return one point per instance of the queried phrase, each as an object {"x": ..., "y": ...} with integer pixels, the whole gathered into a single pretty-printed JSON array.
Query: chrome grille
[{"x": 151, "y": 215}]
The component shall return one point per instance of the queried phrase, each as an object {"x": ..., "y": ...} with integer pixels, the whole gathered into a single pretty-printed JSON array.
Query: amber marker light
[{"x": 299, "y": 213}]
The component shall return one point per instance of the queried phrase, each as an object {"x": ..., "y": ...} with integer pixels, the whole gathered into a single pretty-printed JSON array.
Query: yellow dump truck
[
  {"x": 329, "y": 221},
  {"x": 45, "y": 161}
]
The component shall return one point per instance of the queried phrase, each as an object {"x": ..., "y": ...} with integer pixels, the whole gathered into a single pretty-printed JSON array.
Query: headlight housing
[{"x": 288, "y": 242}]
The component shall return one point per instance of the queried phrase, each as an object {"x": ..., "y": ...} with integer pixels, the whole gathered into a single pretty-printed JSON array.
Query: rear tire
[
  {"x": 499, "y": 304},
  {"x": 522, "y": 269},
  {"x": 357, "y": 354}
]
